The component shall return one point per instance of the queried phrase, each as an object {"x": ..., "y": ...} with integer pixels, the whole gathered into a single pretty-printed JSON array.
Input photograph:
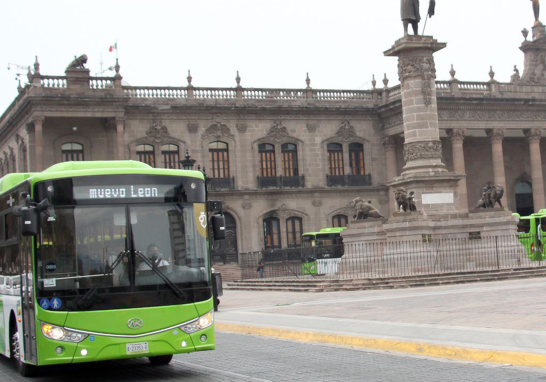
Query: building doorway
[{"x": 524, "y": 198}]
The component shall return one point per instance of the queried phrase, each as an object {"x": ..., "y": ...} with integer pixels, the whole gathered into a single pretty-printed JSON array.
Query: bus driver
[{"x": 152, "y": 253}]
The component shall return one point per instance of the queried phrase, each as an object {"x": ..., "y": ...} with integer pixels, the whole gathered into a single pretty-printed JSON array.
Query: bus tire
[
  {"x": 161, "y": 360},
  {"x": 25, "y": 369}
]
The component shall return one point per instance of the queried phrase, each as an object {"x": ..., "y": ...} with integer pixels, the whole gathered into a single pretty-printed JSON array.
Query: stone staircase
[
  {"x": 318, "y": 284},
  {"x": 229, "y": 271}
]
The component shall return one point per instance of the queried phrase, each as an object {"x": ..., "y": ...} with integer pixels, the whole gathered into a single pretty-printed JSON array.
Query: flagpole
[{"x": 425, "y": 27}]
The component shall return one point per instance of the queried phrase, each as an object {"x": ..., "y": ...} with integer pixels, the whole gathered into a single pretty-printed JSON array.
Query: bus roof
[
  {"x": 334, "y": 229},
  {"x": 325, "y": 231},
  {"x": 90, "y": 168}
]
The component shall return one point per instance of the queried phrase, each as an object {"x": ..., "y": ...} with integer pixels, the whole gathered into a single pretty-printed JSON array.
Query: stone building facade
[{"x": 285, "y": 161}]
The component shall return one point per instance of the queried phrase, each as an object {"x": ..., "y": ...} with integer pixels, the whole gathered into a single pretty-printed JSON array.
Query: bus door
[{"x": 28, "y": 305}]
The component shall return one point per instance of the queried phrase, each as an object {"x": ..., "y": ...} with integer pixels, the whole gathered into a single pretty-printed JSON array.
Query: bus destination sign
[{"x": 124, "y": 192}]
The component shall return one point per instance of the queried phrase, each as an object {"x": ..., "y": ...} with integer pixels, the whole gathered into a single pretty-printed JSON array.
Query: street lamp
[{"x": 187, "y": 163}]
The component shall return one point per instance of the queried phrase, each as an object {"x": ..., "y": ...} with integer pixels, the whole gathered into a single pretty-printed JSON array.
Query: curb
[{"x": 418, "y": 348}]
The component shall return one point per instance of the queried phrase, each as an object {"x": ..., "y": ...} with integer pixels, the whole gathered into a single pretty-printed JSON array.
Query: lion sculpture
[
  {"x": 78, "y": 62},
  {"x": 491, "y": 195},
  {"x": 364, "y": 209},
  {"x": 401, "y": 198}
]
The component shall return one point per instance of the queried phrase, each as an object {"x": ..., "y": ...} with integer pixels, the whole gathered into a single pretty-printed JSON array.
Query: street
[{"x": 250, "y": 358}]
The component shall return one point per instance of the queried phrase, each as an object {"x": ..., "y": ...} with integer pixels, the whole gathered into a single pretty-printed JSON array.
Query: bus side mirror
[
  {"x": 218, "y": 227},
  {"x": 29, "y": 220}
]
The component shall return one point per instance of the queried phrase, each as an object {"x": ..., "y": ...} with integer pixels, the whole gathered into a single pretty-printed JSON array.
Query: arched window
[
  {"x": 293, "y": 232},
  {"x": 340, "y": 221},
  {"x": 272, "y": 233},
  {"x": 524, "y": 199},
  {"x": 219, "y": 159},
  {"x": 267, "y": 160},
  {"x": 170, "y": 156},
  {"x": 356, "y": 155},
  {"x": 72, "y": 152},
  {"x": 146, "y": 154},
  {"x": 335, "y": 159},
  {"x": 290, "y": 159}
]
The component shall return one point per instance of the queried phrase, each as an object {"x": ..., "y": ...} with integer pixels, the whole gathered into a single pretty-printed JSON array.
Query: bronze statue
[
  {"x": 536, "y": 10},
  {"x": 411, "y": 202},
  {"x": 401, "y": 199},
  {"x": 491, "y": 195},
  {"x": 78, "y": 62},
  {"x": 409, "y": 10},
  {"x": 364, "y": 209}
]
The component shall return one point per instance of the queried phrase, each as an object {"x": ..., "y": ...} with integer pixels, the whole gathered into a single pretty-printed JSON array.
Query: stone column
[
  {"x": 533, "y": 135},
  {"x": 497, "y": 136},
  {"x": 39, "y": 142},
  {"x": 457, "y": 140},
  {"x": 389, "y": 143},
  {"x": 120, "y": 138}
]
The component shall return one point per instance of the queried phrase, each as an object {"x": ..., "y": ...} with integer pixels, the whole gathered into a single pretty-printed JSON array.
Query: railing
[
  {"x": 443, "y": 85},
  {"x": 281, "y": 181},
  {"x": 217, "y": 184},
  {"x": 101, "y": 83},
  {"x": 53, "y": 82},
  {"x": 342, "y": 95},
  {"x": 273, "y": 94},
  {"x": 214, "y": 93},
  {"x": 474, "y": 86},
  {"x": 400, "y": 258},
  {"x": 348, "y": 180},
  {"x": 155, "y": 92}
]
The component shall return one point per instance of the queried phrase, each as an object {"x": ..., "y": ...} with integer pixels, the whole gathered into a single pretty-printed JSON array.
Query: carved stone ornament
[
  {"x": 11, "y": 152},
  {"x": 312, "y": 127},
  {"x": 19, "y": 140},
  {"x": 218, "y": 131},
  {"x": 246, "y": 205},
  {"x": 533, "y": 135},
  {"x": 241, "y": 127},
  {"x": 393, "y": 120},
  {"x": 422, "y": 150},
  {"x": 317, "y": 203},
  {"x": 491, "y": 115},
  {"x": 422, "y": 68},
  {"x": 389, "y": 143},
  {"x": 536, "y": 70},
  {"x": 193, "y": 127},
  {"x": 346, "y": 131},
  {"x": 456, "y": 134},
  {"x": 278, "y": 132},
  {"x": 157, "y": 132},
  {"x": 495, "y": 135}
]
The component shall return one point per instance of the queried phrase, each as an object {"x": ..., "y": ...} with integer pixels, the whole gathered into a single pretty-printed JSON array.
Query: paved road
[{"x": 251, "y": 358}]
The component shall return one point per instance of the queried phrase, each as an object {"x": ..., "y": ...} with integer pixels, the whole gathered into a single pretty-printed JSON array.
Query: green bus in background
[
  {"x": 532, "y": 234},
  {"x": 105, "y": 260},
  {"x": 321, "y": 246}
]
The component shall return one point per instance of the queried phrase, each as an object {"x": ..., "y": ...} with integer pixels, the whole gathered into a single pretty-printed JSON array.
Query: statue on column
[
  {"x": 536, "y": 10},
  {"x": 409, "y": 10},
  {"x": 491, "y": 195}
]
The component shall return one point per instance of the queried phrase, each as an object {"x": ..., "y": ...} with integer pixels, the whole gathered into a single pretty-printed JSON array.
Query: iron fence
[{"x": 398, "y": 258}]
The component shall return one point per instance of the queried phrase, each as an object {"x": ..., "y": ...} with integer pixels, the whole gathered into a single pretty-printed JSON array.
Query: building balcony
[
  {"x": 348, "y": 180},
  {"x": 281, "y": 181},
  {"x": 220, "y": 184}
]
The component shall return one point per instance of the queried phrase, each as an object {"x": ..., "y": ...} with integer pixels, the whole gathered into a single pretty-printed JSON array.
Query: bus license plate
[{"x": 138, "y": 348}]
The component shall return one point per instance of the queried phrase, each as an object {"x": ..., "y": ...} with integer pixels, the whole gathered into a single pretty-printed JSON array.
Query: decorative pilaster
[
  {"x": 533, "y": 136},
  {"x": 39, "y": 142},
  {"x": 120, "y": 138},
  {"x": 389, "y": 143},
  {"x": 499, "y": 177},
  {"x": 457, "y": 140}
]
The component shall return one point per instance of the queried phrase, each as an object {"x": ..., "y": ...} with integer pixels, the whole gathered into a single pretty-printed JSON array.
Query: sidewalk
[{"x": 498, "y": 322}]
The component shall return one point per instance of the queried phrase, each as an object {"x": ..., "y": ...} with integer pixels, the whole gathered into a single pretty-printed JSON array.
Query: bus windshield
[{"x": 96, "y": 257}]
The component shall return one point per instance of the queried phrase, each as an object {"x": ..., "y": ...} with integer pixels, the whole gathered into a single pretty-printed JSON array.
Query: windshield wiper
[
  {"x": 176, "y": 290},
  {"x": 84, "y": 301}
]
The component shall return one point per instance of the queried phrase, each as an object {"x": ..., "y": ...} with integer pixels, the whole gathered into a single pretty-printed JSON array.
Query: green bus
[
  {"x": 321, "y": 246},
  {"x": 532, "y": 234},
  {"x": 105, "y": 260}
]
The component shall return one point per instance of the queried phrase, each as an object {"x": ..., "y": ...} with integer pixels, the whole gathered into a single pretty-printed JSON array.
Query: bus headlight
[
  {"x": 61, "y": 334},
  {"x": 199, "y": 324}
]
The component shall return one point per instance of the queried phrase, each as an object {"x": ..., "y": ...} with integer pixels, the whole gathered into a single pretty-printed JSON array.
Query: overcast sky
[{"x": 273, "y": 43}]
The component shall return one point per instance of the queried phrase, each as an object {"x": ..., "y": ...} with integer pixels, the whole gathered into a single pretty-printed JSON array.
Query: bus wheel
[
  {"x": 25, "y": 369},
  {"x": 161, "y": 360}
]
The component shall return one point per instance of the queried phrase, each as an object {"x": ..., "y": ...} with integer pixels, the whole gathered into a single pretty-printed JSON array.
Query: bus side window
[{"x": 543, "y": 224}]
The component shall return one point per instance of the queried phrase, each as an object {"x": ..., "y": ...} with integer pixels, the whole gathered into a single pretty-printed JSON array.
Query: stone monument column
[
  {"x": 436, "y": 189},
  {"x": 497, "y": 136},
  {"x": 533, "y": 135},
  {"x": 457, "y": 140}
]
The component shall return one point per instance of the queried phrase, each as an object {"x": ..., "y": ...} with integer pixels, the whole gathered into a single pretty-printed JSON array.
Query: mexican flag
[{"x": 113, "y": 47}]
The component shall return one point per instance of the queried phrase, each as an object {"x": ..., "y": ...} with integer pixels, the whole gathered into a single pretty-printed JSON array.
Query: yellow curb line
[{"x": 419, "y": 348}]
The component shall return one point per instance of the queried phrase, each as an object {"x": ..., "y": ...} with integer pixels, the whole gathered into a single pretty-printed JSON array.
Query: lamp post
[{"x": 187, "y": 163}]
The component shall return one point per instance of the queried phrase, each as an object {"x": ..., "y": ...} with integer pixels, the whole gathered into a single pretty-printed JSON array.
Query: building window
[
  {"x": 524, "y": 199},
  {"x": 219, "y": 159},
  {"x": 290, "y": 159},
  {"x": 267, "y": 160},
  {"x": 335, "y": 159},
  {"x": 146, "y": 154},
  {"x": 72, "y": 152},
  {"x": 293, "y": 232},
  {"x": 356, "y": 154},
  {"x": 340, "y": 221},
  {"x": 170, "y": 156},
  {"x": 272, "y": 233}
]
